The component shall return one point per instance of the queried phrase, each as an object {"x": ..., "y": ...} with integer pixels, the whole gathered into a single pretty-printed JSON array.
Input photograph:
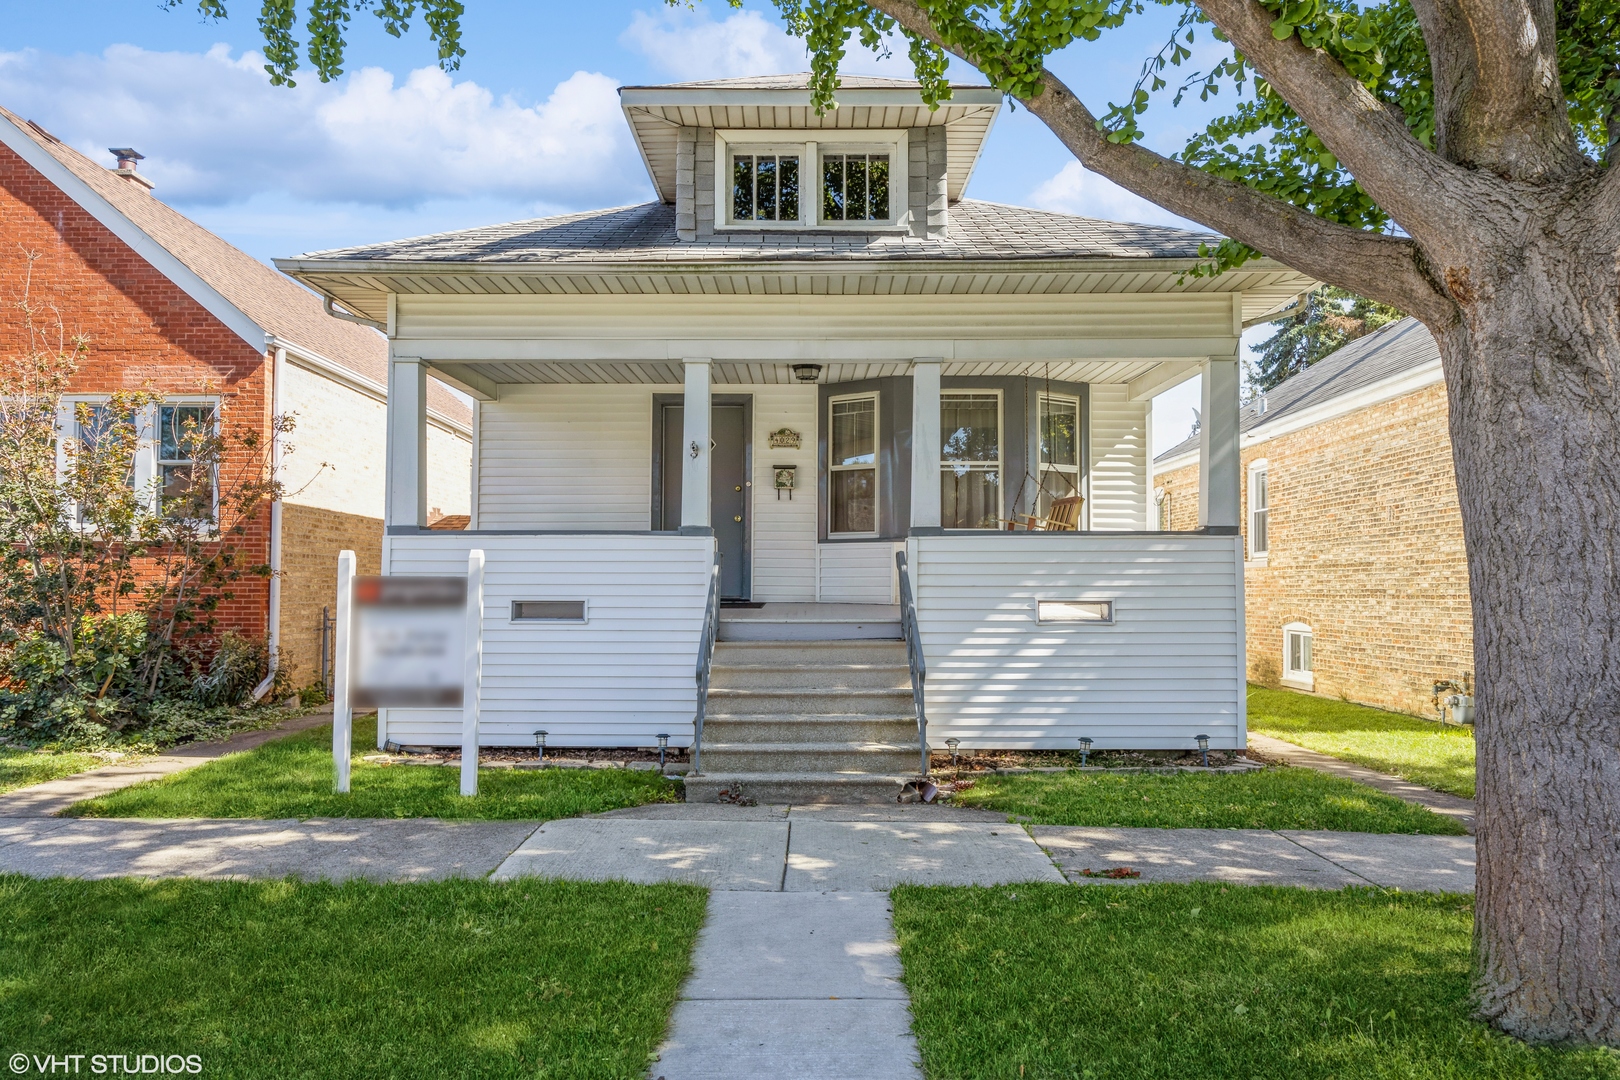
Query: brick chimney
[{"x": 127, "y": 157}]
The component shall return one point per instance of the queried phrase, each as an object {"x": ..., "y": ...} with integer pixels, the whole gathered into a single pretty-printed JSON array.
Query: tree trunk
[{"x": 1533, "y": 376}]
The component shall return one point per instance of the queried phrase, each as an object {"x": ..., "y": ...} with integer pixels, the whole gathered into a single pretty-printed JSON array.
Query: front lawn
[
  {"x": 287, "y": 979},
  {"x": 20, "y": 768},
  {"x": 1196, "y": 982},
  {"x": 1417, "y": 750},
  {"x": 1273, "y": 798},
  {"x": 292, "y": 778}
]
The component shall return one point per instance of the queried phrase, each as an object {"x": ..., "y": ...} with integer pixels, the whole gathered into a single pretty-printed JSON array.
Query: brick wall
[
  {"x": 143, "y": 331},
  {"x": 1365, "y": 547},
  {"x": 310, "y": 540}
]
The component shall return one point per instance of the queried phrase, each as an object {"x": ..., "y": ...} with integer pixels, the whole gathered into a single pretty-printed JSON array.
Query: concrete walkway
[
  {"x": 54, "y": 796},
  {"x": 1452, "y": 806}
]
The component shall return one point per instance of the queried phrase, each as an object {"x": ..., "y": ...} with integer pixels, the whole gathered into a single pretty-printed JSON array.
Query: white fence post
[
  {"x": 473, "y": 672},
  {"x": 342, "y": 713}
]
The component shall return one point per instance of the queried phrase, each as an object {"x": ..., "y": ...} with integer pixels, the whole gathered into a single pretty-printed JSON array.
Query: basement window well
[
  {"x": 1074, "y": 611},
  {"x": 548, "y": 611}
]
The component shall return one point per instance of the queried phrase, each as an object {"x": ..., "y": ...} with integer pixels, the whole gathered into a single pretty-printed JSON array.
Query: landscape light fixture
[
  {"x": 1085, "y": 750},
  {"x": 540, "y": 743},
  {"x": 807, "y": 372},
  {"x": 951, "y": 745},
  {"x": 663, "y": 744},
  {"x": 1203, "y": 748}
]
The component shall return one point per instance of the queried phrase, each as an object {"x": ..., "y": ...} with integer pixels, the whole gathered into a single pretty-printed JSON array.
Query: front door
[{"x": 729, "y": 486}]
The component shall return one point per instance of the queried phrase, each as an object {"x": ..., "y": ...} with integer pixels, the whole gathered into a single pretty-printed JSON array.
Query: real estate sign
[{"x": 409, "y": 647}]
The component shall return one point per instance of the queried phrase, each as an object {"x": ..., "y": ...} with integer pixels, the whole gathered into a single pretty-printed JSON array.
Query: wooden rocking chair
[{"x": 1063, "y": 516}]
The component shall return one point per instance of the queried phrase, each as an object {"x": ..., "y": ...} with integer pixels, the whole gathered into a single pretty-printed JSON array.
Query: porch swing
[{"x": 1063, "y": 515}]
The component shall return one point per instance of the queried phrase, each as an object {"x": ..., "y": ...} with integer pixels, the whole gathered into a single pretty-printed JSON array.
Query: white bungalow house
[{"x": 845, "y": 359}]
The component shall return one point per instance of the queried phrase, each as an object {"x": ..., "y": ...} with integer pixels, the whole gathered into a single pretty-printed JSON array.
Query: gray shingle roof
[
  {"x": 800, "y": 81},
  {"x": 646, "y": 234},
  {"x": 1388, "y": 351}
]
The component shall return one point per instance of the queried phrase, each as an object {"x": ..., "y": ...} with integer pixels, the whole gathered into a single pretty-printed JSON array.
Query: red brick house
[
  {"x": 1355, "y": 580},
  {"x": 169, "y": 307}
]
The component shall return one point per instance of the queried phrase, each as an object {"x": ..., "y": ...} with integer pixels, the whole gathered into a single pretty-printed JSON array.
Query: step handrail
[
  {"x": 705, "y": 660},
  {"x": 914, "y": 656}
]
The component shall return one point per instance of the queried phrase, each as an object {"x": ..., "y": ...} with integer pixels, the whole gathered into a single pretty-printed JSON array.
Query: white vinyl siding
[
  {"x": 784, "y": 551},
  {"x": 1168, "y": 668},
  {"x": 617, "y": 680},
  {"x": 857, "y": 573},
  {"x": 1118, "y": 497}
]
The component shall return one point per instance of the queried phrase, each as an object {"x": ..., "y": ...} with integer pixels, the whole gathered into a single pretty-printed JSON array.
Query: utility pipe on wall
[{"x": 273, "y": 622}]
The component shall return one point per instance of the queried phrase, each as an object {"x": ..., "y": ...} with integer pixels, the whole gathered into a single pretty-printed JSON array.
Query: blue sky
[{"x": 528, "y": 126}]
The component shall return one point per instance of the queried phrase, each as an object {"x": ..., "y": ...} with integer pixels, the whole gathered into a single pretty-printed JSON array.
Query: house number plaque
[{"x": 785, "y": 439}]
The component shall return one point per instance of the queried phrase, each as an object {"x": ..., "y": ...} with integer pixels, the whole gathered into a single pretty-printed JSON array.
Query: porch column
[
  {"x": 695, "y": 448},
  {"x": 1219, "y": 481},
  {"x": 925, "y": 442},
  {"x": 406, "y": 493}
]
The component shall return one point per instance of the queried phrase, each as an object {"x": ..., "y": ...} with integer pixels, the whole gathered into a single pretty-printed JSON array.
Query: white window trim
[
  {"x": 1079, "y": 451},
  {"x": 980, "y": 466},
  {"x": 146, "y": 447},
  {"x": 1298, "y": 680},
  {"x": 808, "y": 145},
  {"x": 877, "y": 473},
  {"x": 1257, "y": 558}
]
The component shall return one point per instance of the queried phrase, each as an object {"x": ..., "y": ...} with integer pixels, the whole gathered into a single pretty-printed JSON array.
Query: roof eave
[{"x": 780, "y": 97}]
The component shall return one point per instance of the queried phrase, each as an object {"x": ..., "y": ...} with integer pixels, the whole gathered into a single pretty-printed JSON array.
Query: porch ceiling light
[
  {"x": 807, "y": 372},
  {"x": 1203, "y": 748},
  {"x": 540, "y": 743},
  {"x": 1085, "y": 750}
]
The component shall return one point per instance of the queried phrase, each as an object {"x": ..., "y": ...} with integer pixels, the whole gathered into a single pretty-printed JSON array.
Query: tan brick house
[
  {"x": 1354, "y": 576},
  {"x": 169, "y": 307}
]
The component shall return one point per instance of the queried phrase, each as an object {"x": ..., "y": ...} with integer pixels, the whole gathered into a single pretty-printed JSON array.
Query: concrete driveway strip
[
  {"x": 744, "y": 855},
  {"x": 1234, "y": 856},
  {"x": 1409, "y": 863},
  {"x": 792, "y": 985},
  {"x": 851, "y": 856},
  {"x": 414, "y": 850}
]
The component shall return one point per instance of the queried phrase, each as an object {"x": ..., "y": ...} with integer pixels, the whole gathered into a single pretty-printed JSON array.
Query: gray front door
[{"x": 728, "y": 485}]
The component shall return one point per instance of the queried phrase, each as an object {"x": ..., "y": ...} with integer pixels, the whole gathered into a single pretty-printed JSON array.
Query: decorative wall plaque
[{"x": 785, "y": 439}]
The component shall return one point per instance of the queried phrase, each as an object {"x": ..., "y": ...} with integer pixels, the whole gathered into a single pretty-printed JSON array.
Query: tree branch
[{"x": 1380, "y": 267}]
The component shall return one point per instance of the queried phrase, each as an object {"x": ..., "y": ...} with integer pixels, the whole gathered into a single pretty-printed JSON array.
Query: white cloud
[
  {"x": 1077, "y": 190},
  {"x": 215, "y": 131},
  {"x": 687, "y": 45}
]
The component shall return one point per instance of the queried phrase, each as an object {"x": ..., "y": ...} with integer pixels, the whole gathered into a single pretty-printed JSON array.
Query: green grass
[
  {"x": 1195, "y": 982},
  {"x": 20, "y": 768},
  {"x": 1274, "y": 798},
  {"x": 1421, "y": 751},
  {"x": 292, "y": 778},
  {"x": 449, "y": 979}
]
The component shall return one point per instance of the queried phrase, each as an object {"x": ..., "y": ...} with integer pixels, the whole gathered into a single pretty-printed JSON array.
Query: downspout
[{"x": 273, "y": 630}]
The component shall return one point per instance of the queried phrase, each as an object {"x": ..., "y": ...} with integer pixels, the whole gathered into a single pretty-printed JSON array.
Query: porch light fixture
[
  {"x": 1085, "y": 750},
  {"x": 807, "y": 372},
  {"x": 663, "y": 744},
  {"x": 951, "y": 745},
  {"x": 540, "y": 743},
  {"x": 1203, "y": 747}
]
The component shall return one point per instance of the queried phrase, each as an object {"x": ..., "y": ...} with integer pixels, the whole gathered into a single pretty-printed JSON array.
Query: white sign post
[
  {"x": 473, "y": 671},
  {"x": 342, "y": 709}
]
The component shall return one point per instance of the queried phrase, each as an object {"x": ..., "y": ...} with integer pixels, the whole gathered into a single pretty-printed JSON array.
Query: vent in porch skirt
[{"x": 548, "y": 611}]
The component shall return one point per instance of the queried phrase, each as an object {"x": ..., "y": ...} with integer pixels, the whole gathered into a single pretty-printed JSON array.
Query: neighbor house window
[
  {"x": 1059, "y": 450},
  {"x": 182, "y": 430},
  {"x": 1296, "y": 666},
  {"x": 855, "y": 187},
  {"x": 970, "y": 460},
  {"x": 1259, "y": 511},
  {"x": 94, "y": 424},
  {"x": 764, "y": 187},
  {"x": 852, "y": 466}
]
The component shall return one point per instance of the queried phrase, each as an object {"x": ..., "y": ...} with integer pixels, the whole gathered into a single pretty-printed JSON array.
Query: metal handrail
[
  {"x": 914, "y": 656},
  {"x": 711, "y": 630}
]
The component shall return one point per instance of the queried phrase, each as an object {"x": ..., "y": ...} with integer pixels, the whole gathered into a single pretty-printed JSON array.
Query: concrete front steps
[{"x": 806, "y": 721}]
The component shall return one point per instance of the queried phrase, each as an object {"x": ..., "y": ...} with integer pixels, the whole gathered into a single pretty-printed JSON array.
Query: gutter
[{"x": 273, "y": 631}]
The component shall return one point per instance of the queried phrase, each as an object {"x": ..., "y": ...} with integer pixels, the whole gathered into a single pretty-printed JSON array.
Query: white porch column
[
  {"x": 925, "y": 448},
  {"x": 406, "y": 502},
  {"x": 1219, "y": 480},
  {"x": 695, "y": 446}
]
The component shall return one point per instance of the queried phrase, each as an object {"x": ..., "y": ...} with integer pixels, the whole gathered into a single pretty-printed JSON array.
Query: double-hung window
[
  {"x": 185, "y": 487},
  {"x": 1259, "y": 512},
  {"x": 106, "y": 440},
  {"x": 852, "y": 466},
  {"x": 1059, "y": 450},
  {"x": 970, "y": 459},
  {"x": 856, "y": 182},
  {"x": 1297, "y": 670}
]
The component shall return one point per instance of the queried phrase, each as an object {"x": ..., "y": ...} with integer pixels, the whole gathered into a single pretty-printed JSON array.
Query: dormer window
[{"x": 858, "y": 182}]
